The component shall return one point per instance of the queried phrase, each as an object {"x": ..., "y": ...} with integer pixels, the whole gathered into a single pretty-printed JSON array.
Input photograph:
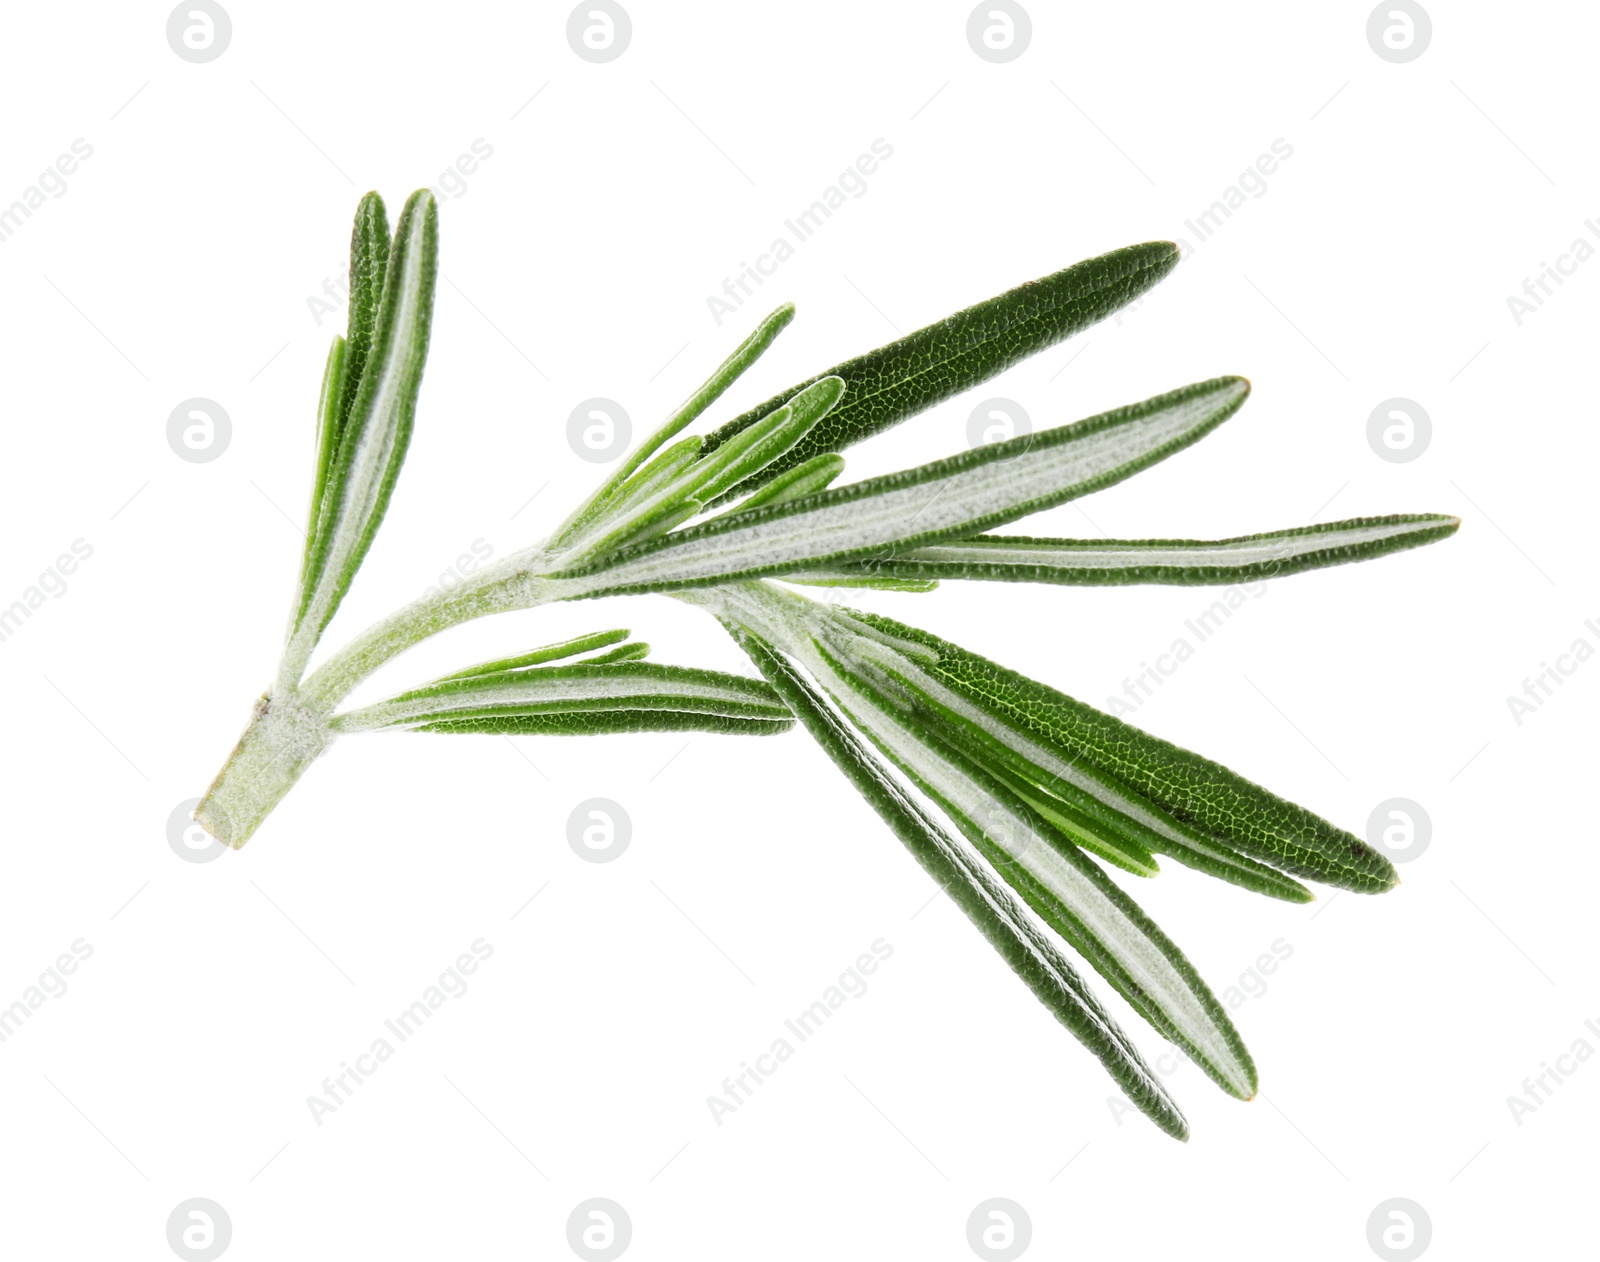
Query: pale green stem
[
  {"x": 289, "y": 727},
  {"x": 514, "y": 583}
]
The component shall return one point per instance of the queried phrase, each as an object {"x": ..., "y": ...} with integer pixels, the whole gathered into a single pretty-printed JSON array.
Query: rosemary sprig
[{"x": 1037, "y": 789}]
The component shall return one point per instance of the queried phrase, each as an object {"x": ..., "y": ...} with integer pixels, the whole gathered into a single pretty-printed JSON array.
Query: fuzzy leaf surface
[
  {"x": 1181, "y": 798},
  {"x": 982, "y": 898},
  {"x": 948, "y": 499},
  {"x": 607, "y": 722},
  {"x": 885, "y": 386},
  {"x": 582, "y": 688},
  {"x": 1188, "y": 562},
  {"x": 372, "y": 445},
  {"x": 1051, "y": 873}
]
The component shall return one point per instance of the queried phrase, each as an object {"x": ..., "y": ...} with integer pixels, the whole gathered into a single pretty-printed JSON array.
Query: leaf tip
[
  {"x": 1161, "y": 256},
  {"x": 774, "y": 324},
  {"x": 422, "y": 203}
]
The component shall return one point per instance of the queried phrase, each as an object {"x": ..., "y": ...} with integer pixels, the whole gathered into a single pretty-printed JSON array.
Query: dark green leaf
[
  {"x": 885, "y": 386},
  {"x": 1202, "y": 798},
  {"x": 369, "y": 263}
]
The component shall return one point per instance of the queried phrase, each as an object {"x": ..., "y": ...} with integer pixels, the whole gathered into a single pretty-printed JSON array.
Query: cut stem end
[{"x": 282, "y": 739}]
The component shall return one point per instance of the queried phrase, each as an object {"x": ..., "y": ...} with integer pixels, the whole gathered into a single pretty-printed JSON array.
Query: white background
[{"x": 577, "y": 263}]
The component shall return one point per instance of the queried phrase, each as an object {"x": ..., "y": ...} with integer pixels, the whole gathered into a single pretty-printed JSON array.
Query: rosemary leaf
[
  {"x": 1192, "y": 562},
  {"x": 1025, "y": 948},
  {"x": 1191, "y": 804},
  {"x": 745, "y": 354},
  {"x": 583, "y": 688},
  {"x": 373, "y": 444},
  {"x": 605, "y": 722},
  {"x": 549, "y": 653},
  {"x": 803, "y": 479},
  {"x": 329, "y": 402},
  {"x": 885, "y": 386},
  {"x": 948, "y": 499},
  {"x": 1056, "y": 878},
  {"x": 369, "y": 265}
]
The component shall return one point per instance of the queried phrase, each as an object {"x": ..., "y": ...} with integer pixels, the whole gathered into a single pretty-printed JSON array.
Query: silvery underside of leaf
[
  {"x": 1048, "y": 871},
  {"x": 960, "y": 872},
  {"x": 1190, "y": 562},
  {"x": 948, "y": 499},
  {"x": 601, "y": 691}
]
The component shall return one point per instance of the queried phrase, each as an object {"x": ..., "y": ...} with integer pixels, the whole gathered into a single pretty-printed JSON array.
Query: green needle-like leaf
[
  {"x": 347, "y": 359},
  {"x": 1098, "y": 832},
  {"x": 607, "y": 722},
  {"x": 1108, "y": 562},
  {"x": 623, "y": 653},
  {"x": 893, "y": 382},
  {"x": 1189, "y": 807},
  {"x": 729, "y": 371},
  {"x": 329, "y": 402},
  {"x": 803, "y": 479},
  {"x": 948, "y": 499},
  {"x": 549, "y": 653},
  {"x": 585, "y": 688},
  {"x": 870, "y": 581},
  {"x": 675, "y": 486},
  {"x": 369, "y": 264},
  {"x": 746, "y": 353},
  {"x": 1055, "y": 877},
  {"x": 1092, "y": 810},
  {"x": 973, "y": 888},
  {"x": 763, "y": 443},
  {"x": 652, "y": 487},
  {"x": 374, "y": 439},
  {"x": 731, "y": 461}
]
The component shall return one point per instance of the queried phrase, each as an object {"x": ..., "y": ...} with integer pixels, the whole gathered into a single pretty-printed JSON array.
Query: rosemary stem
[
  {"x": 513, "y": 583},
  {"x": 290, "y": 726}
]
